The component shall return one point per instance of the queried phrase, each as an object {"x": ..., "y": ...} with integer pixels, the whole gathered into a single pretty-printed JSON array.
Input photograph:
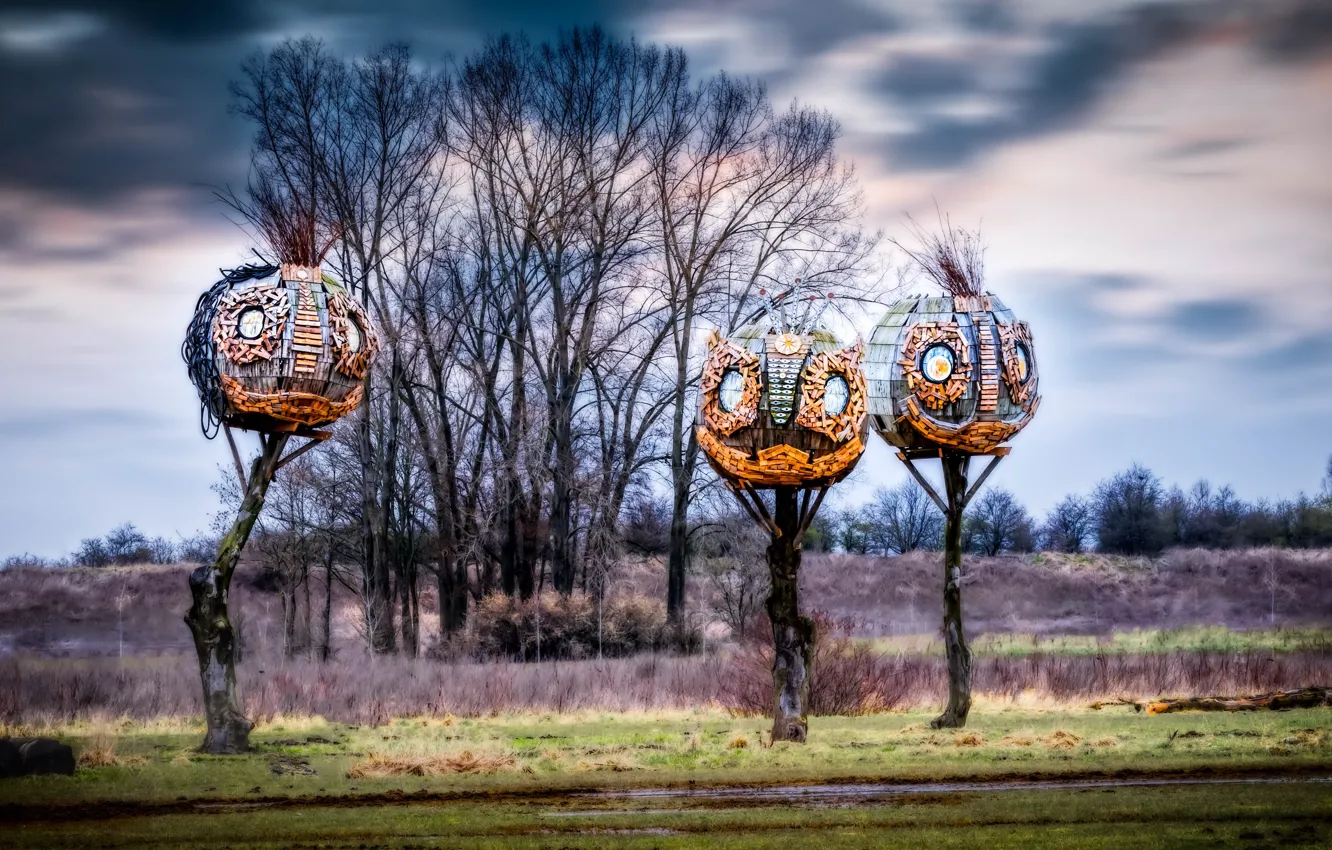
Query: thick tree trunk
[
  {"x": 289, "y": 646},
  {"x": 792, "y": 634},
  {"x": 375, "y": 574},
  {"x": 955, "y": 642},
  {"x": 562, "y": 567},
  {"x": 214, "y": 637},
  {"x": 451, "y": 582},
  {"x": 679, "y": 541},
  {"x": 682, "y": 473}
]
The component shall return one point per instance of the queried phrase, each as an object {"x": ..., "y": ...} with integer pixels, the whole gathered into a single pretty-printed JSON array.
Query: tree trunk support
[
  {"x": 214, "y": 636},
  {"x": 792, "y": 633},
  {"x": 953, "y": 503}
]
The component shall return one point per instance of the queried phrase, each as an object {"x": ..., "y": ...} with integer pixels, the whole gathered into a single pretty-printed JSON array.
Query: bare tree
[
  {"x": 998, "y": 523},
  {"x": 1128, "y": 513},
  {"x": 904, "y": 519},
  {"x": 1069, "y": 526},
  {"x": 539, "y": 233}
]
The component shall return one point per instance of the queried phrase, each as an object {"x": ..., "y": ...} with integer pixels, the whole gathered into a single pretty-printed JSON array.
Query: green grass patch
[
  {"x": 1137, "y": 641},
  {"x": 521, "y": 753}
]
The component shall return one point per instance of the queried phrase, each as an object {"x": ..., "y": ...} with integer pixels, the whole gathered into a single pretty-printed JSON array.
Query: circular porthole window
[
  {"x": 250, "y": 324},
  {"x": 731, "y": 391},
  {"x": 836, "y": 393},
  {"x": 354, "y": 336},
  {"x": 1023, "y": 363},
  {"x": 938, "y": 363}
]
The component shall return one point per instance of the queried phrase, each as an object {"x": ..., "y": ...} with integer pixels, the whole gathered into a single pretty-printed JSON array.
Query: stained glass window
[
  {"x": 835, "y": 395},
  {"x": 1024, "y": 363},
  {"x": 938, "y": 363},
  {"x": 251, "y": 323},
  {"x": 732, "y": 389}
]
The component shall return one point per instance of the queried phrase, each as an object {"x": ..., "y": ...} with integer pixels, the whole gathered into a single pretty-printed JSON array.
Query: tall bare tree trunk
[
  {"x": 289, "y": 646},
  {"x": 684, "y": 449},
  {"x": 327, "y": 649},
  {"x": 955, "y": 643},
  {"x": 562, "y": 565},
  {"x": 214, "y": 637},
  {"x": 379, "y": 602},
  {"x": 792, "y": 634}
]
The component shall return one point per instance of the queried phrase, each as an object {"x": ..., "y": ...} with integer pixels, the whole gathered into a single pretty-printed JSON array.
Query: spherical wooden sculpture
[
  {"x": 951, "y": 372},
  {"x": 278, "y": 349},
  {"x": 781, "y": 408}
]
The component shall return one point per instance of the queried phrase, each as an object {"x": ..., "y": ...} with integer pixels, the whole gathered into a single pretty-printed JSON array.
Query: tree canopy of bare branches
[{"x": 542, "y": 231}]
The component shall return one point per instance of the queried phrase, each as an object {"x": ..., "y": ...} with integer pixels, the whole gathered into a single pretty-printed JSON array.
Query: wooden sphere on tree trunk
[
  {"x": 278, "y": 349},
  {"x": 782, "y": 408},
  {"x": 951, "y": 372}
]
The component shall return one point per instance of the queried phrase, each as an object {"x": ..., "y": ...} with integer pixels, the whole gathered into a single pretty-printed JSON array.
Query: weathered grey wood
[
  {"x": 807, "y": 516},
  {"x": 925, "y": 485},
  {"x": 980, "y": 479},
  {"x": 235, "y": 456},
  {"x": 315, "y": 439}
]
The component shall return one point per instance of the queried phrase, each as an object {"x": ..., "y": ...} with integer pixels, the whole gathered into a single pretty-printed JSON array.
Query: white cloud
[{"x": 46, "y": 33}]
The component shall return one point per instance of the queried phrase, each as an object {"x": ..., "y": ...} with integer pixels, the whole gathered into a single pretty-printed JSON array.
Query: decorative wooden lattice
[
  {"x": 813, "y": 415},
  {"x": 307, "y": 337},
  {"x": 226, "y": 333},
  {"x": 723, "y": 356},
  {"x": 780, "y": 465},
  {"x": 1010, "y": 337},
  {"x": 342, "y": 311},
  {"x": 936, "y": 396},
  {"x": 287, "y": 406}
]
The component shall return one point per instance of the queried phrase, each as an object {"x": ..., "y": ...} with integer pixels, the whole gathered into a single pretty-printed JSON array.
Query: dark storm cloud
[
  {"x": 1216, "y": 320},
  {"x": 924, "y": 78},
  {"x": 997, "y": 16},
  {"x": 818, "y": 27},
  {"x": 1082, "y": 62},
  {"x": 118, "y": 114},
  {"x": 1299, "y": 32},
  {"x": 1300, "y": 355},
  {"x": 141, "y": 102},
  {"x": 170, "y": 19}
]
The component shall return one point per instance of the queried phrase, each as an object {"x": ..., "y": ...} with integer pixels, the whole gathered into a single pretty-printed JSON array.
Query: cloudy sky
[{"x": 1154, "y": 181}]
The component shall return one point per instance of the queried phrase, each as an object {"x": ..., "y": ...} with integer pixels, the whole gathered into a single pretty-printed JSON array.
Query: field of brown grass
[{"x": 61, "y": 635}]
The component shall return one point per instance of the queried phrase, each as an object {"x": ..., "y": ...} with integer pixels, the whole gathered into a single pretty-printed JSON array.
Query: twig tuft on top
[{"x": 952, "y": 256}]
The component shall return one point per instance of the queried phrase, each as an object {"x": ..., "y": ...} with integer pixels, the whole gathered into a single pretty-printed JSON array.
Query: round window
[
  {"x": 731, "y": 391},
  {"x": 251, "y": 323},
  {"x": 353, "y": 336},
  {"x": 938, "y": 363},
  {"x": 836, "y": 392},
  {"x": 1023, "y": 363}
]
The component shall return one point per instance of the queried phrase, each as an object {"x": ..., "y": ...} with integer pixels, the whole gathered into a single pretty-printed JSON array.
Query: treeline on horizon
[{"x": 1131, "y": 513}]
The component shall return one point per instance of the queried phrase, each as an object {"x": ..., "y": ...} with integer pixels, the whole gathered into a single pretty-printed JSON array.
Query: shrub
[
  {"x": 847, "y": 677},
  {"x": 569, "y": 626}
]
